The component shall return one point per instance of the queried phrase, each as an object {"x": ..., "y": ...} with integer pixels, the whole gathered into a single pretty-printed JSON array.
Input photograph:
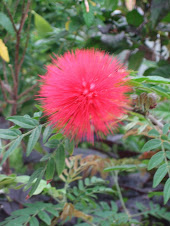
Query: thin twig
[
  {"x": 24, "y": 15},
  {"x": 4, "y": 93},
  {"x": 7, "y": 87},
  {"x": 155, "y": 121},
  {"x": 5, "y": 84},
  {"x": 24, "y": 100},
  {"x": 17, "y": 57},
  {"x": 12, "y": 73},
  {"x": 4, "y": 71},
  {"x": 23, "y": 18},
  {"x": 17, "y": 47},
  {"x": 28, "y": 90},
  {"x": 26, "y": 43},
  {"x": 134, "y": 188},
  {"x": 15, "y": 7},
  {"x": 142, "y": 25},
  {"x": 10, "y": 16}
]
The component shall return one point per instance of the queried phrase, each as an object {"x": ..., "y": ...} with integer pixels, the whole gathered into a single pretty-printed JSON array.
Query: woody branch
[{"x": 18, "y": 61}]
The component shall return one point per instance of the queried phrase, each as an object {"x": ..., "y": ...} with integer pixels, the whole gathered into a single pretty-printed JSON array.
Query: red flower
[{"x": 84, "y": 92}]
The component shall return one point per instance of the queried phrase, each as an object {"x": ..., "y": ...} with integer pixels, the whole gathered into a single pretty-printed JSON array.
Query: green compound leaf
[
  {"x": 25, "y": 211},
  {"x": 33, "y": 139},
  {"x": 35, "y": 175},
  {"x": 88, "y": 16},
  {"x": 153, "y": 132},
  {"x": 35, "y": 185},
  {"x": 110, "y": 4},
  {"x": 37, "y": 115},
  {"x": 69, "y": 146},
  {"x": 39, "y": 107},
  {"x": 151, "y": 144},
  {"x": 50, "y": 169},
  {"x": 166, "y": 192},
  {"x": 11, "y": 149},
  {"x": 159, "y": 175},
  {"x": 158, "y": 9},
  {"x": 6, "y": 23},
  {"x": 44, "y": 217},
  {"x": 155, "y": 160},
  {"x": 20, "y": 220},
  {"x": 151, "y": 79},
  {"x": 34, "y": 221},
  {"x": 166, "y": 128},
  {"x": 52, "y": 143},
  {"x": 57, "y": 136},
  {"x": 47, "y": 132},
  {"x": 168, "y": 154},
  {"x": 45, "y": 157},
  {"x": 163, "y": 111},
  {"x": 53, "y": 211},
  {"x": 135, "y": 60},
  {"x": 124, "y": 167},
  {"x": 60, "y": 159},
  {"x": 134, "y": 18},
  {"x": 166, "y": 145},
  {"x": 9, "y": 134},
  {"x": 24, "y": 122},
  {"x": 42, "y": 25}
]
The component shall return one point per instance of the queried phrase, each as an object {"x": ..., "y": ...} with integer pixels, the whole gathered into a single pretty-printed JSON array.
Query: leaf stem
[{"x": 120, "y": 194}]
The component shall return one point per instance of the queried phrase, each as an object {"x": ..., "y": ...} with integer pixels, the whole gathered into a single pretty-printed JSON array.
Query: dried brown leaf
[
  {"x": 82, "y": 215},
  {"x": 68, "y": 211},
  {"x": 67, "y": 163},
  {"x": 62, "y": 178}
]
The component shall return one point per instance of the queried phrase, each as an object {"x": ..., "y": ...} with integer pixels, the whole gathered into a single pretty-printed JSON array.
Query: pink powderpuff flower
[{"x": 83, "y": 92}]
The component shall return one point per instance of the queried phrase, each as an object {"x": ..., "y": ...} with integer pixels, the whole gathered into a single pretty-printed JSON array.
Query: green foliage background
[{"x": 137, "y": 33}]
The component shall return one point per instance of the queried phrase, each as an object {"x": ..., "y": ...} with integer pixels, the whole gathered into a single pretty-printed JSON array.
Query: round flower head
[{"x": 84, "y": 92}]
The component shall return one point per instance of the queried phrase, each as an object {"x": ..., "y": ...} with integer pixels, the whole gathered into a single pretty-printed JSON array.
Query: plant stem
[
  {"x": 154, "y": 121},
  {"x": 120, "y": 194},
  {"x": 65, "y": 188}
]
